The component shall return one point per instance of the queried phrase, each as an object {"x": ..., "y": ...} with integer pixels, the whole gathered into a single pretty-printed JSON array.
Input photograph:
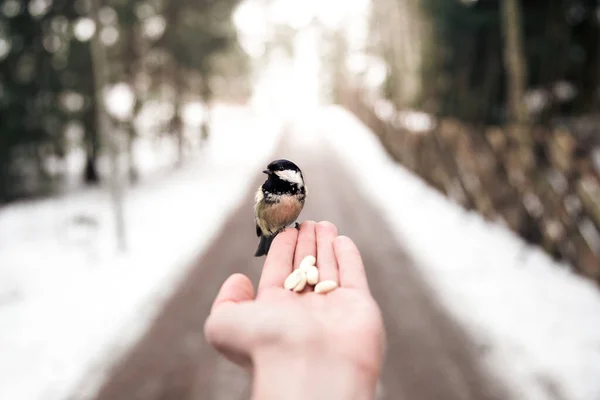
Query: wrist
[{"x": 310, "y": 374}]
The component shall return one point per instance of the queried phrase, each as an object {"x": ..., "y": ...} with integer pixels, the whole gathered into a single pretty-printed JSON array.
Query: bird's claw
[{"x": 278, "y": 231}]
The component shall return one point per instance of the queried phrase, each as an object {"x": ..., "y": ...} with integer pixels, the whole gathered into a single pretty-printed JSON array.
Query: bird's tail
[{"x": 264, "y": 245}]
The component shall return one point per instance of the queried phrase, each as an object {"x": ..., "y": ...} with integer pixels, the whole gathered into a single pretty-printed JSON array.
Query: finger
[
  {"x": 351, "y": 267},
  {"x": 229, "y": 330},
  {"x": 326, "y": 233},
  {"x": 307, "y": 242},
  {"x": 235, "y": 289},
  {"x": 279, "y": 261}
]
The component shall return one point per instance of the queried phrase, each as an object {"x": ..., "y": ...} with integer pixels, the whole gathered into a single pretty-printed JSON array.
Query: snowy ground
[
  {"x": 540, "y": 322},
  {"x": 67, "y": 299}
]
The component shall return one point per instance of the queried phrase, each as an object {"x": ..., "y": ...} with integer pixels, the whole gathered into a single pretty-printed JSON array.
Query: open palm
[{"x": 345, "y": 323}]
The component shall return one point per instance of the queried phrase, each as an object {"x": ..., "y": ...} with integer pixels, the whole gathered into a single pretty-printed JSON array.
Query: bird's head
[{"x": 286, "y": 171}]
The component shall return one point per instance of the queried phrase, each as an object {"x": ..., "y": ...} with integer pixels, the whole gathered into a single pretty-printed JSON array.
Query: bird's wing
[{"x": 258, "y": 231}]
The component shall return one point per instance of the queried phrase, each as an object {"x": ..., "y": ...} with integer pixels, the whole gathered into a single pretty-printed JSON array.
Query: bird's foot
[{"x": 278, "y": 231}]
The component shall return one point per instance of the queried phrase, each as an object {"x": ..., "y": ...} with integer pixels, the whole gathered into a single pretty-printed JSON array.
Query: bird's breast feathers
[{"x": 273, "y": 214}]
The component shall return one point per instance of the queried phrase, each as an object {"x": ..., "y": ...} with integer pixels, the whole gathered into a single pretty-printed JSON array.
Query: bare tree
[
  {"x": 99, "y": 70},
  {"x": 514, "y": 61},
  {"x": 399, "y": 34}
]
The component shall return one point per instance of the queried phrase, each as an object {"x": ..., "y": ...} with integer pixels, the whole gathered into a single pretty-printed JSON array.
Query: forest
[
  {"x": 78, "y": 74},
  {"x": 508, "y": 95}
]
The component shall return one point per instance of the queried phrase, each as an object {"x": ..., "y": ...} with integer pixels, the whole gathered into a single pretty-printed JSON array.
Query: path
[{"x": 429, "y": 357}]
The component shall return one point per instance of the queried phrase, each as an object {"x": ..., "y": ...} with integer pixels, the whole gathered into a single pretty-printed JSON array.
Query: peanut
[
  {"x": 294, "y": 279},
  {"x": 301, "y": 284},
  {"x": 312, "y": 275},
  {"x": 308, "y": 274},
  {"x": 307, "y": 262},
  {"x": 325, "y": 286}
]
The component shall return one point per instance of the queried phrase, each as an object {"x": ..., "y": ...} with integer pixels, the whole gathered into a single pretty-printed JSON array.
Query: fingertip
[
  {"x": 236, "y": 288},
  {"x": 326, "y": 227},
  {"x": 308, "y": 226},
  {"x": 237, "y": 276},
  {"x": 286, "y": 237},
  {"x": 352, "y": 272},
  {"x": 343, "y": 241},
  {"x": 242, "y": 284}
]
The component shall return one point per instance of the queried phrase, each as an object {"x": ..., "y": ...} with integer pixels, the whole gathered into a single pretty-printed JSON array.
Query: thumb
[
  {"x": 226, "y": 327},
  {"x": 235, "y": 289},
  {"x": 230, "y": 330}
]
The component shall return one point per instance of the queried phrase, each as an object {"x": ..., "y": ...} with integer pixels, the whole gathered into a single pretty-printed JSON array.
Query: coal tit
[{"x": 278, "y": 202}]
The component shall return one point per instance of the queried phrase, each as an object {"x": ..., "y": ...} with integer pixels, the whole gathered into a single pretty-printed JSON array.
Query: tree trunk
[
  {"x": 4, "y": 172},
  {"x": 206, "y": 94},
  {"x": 99, "y": 70},
  {"x": 589, "y": 99},
  {"x": 514, "y": 61},
  {"x": 131, "y": 56},
  {"x": 92, "y": 144},
  {"x": 176, "y": 122}
]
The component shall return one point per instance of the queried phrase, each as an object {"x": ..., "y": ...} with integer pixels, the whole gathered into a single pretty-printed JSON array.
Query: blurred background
[
  {"x": 112, "y": 111},
  {"x": 512, "y": 87},
  {"x": 507, "y": 90}
]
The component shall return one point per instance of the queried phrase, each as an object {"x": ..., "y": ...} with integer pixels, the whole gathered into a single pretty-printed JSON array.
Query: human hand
[{"x": 303, "y": 341}]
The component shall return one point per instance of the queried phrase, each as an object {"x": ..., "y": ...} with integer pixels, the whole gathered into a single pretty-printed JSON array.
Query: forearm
[{"x": 310, "y": 376}]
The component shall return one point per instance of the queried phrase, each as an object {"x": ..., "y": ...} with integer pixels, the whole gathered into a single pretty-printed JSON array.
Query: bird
[{"x": 278, "y": 202}]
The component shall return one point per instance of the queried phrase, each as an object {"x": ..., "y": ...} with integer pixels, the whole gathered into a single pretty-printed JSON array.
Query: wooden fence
[{"x": 542, "y": 183}]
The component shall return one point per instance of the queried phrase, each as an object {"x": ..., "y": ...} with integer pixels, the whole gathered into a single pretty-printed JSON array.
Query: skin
[{"x": 303, "y": 345}]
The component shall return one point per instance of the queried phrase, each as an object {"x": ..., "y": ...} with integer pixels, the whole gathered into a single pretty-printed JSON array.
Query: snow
[
  {"x": 67, "y": 299},
  {"x": 540, "y": 321}
]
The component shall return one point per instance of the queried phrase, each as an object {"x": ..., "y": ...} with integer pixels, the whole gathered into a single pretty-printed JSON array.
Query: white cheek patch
[{"x": 291, "y": 176}]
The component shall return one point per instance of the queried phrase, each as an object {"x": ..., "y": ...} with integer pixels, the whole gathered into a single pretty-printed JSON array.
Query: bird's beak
[{"x": 266, "y": 171}]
